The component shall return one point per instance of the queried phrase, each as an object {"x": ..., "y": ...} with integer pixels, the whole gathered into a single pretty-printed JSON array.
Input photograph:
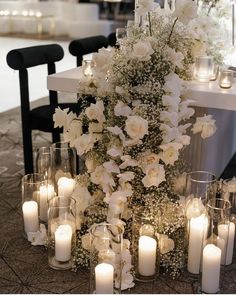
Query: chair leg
[
  {"x": 56, "y": 136},
  {"x": 28, "y": 151}
]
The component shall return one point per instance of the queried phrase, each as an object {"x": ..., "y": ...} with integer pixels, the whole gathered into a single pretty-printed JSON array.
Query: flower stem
[
  {"x": 150, "y": 24},
  {"x": 172, "y": 30}
]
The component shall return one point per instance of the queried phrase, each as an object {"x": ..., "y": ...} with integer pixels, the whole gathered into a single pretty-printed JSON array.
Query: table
[{"x": 212, "y": 154}]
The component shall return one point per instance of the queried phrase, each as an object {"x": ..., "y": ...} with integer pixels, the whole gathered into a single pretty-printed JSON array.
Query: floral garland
[{"x": 137, "y": 129}]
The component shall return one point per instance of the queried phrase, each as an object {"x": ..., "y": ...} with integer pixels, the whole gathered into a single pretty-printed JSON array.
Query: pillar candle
[
  {"x": 147, "y": 256},
  {"x": 30, "y": 214},
  {"x": 197, "y": 228},
  {"x": 211, "y": 268},
  {"x": 63, "y": 235},
  {"x": 104, "y": 274},
  {"x": 46, "y": 192},
  {"x": 227, "y": 233},
  {"x": 65, "y": 186}
]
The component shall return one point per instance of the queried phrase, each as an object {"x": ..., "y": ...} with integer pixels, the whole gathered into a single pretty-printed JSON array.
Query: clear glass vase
[
  {"x": 61, "y": 232},
  {"x": 145, "y": 248},
  {"x": 63, "y": 161},
  {"x": 32, "y": 200},
  {"x": 105, "y": 258},
  {"x": 200, "y": 187},
  {"x": 214, "y": 246}
]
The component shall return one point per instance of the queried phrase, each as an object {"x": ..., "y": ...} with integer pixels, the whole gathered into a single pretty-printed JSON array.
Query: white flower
[
  {"x": 155, "y": 174},
  {"x": 84, "y": 143},
  {"x": 183, "y": 139},
  {"x": 169, "y": 117},
  {"x": 170, "y": 152},
  {"x": 111, "y": 167},
  {"x": 136, "y": 127},
  {"x": 85, "y": 239},
  {"x": 102, "y": 177},
  {"x": 128, "y": 162},
  {"x": 95, "y": 127},
  {"x": 185, "y": 112},
  {"x": 95, "y": 111},
  {"x": 171, "y": 101},
  {"x": 117, "y": 202},
  {"x": 173, "y": 84},
  {"x": 185, "y": 10},
  {"x": 142, "y": 50},
  {"x": 165, "y": 244},
  {"x": 115, "y": 151},
  {"x": 147, "y": 158},
  {"x": 73, "y": 132},
  {"x": 175, "y": 57},
  {"x": 102, "y": 60},
  {"x": 126, "y": 176},
  {"x": 90, "y": 164},
  {"x": 122, "y": 109},
  {"x": 117, "y": 131},
  {"x": 205, "y": 125},
  {"x": 169, "y": 133},
  {"x": 39, "y": 237},
  {"x": 62, "y": 118},
  {"x": 195, "y": 208},
  {"x": 145, "y": 6}
]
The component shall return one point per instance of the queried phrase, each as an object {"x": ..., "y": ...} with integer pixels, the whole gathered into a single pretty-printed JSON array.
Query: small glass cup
[
  {"x": 121, "y": 33},
  {"x": 61, "y": 232},
  {"x": 106, "y": 242},
  {"x": 203, "y": 68},
  {"x": 146, "y": 254},
  {"x": 226, "y": 79},
  {"x": 31, "y": 185},
  {"x": 215, "y": 244},
  {"x": 63, "y": 159},
  {"x": 215, "y": 72},
  {"x": 87, "y": 67}
]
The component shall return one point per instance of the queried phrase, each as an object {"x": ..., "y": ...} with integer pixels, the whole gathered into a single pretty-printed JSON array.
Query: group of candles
[
  {"x": 37, "y": 209},
  {"x": 21, "y": 13},
  {"x": 206, "y": 70},
  {"x": 212, "y": 256}
]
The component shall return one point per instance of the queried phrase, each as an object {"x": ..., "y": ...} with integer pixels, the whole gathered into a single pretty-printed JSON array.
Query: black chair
[
  {"x": 40, "y": 118},
  {"x": 87, "y": 45},
  {"x": 112, "y": 39}
]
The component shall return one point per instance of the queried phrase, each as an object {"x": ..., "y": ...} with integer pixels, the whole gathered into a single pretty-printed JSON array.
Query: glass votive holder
[
  {"x": 63, "y": 165},
  {"x": 146, "y": 254},
  {"x": 226, "y": 79},
  {"x": 31, "y": 185},
  {"x": 215, "y": 72},
  {"x": 87, "y": 67},
  {"x": 203, "y": 68},
  {"x": 215, "y": 245},
  {"x": 61, "y": 232},
  {"x": 105, "y": 258},
  {"x": 121, "y": 33}
]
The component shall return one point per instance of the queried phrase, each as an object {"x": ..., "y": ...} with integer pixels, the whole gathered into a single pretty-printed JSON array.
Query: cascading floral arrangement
[{"x": 137, "y": 129}]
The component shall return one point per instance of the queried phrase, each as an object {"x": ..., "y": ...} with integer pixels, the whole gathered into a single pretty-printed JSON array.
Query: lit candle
[
  {"x": 87, "y": 67},
  {"x": 211, "y": 268},
  {"x": 147, "y": 256},
  {"x": 227, "y": 232},
  {"x": 63, "y": 235},
  {"x": 203, "y": 68},
  {"x": 65, "y": 186},
  {"x": 104, "y": 274},
  {"x": 46, "y": 192},
  {"x": 197, "y": 228},
  {"x": 226, "y": 79},
  {"x": 30, "y": 214},
  {"x": 225, "y": 83}
]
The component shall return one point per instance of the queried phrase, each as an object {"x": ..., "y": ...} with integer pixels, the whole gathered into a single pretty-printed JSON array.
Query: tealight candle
[
  {"x": 87, "y": 67},
  {"x": 65, "y": 186},
  {"x": 30, "y": 215},
  {"x": 211, "y": 268},
  {"x": 147, "y": 256},
  {"x": 63, "y": 236},
  {"x": 46, "y": 192},
  {"x": 226, "y": 79},
  {"x": 197, "y": 228},
  {"x": 203, "y": 68},
  {"x": 104, "y": 274},
  {"x": 227, "y": 233}
]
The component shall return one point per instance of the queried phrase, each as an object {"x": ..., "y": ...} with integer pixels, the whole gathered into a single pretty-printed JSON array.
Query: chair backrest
[
  {"x": 87, "y": 45},
  {"x": 112, "y": 39}
]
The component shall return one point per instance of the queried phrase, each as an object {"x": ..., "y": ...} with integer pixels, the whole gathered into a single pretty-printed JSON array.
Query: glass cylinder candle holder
[
  {"x": 63, "y": 161},
  {"x": 145, "y": 248},
  {"x": 203, "y": 68},
  {"x": 215, "y": 72},
  {"x": 215, "y": 245},
  {"x": 121, "y": 33},
  {"x": 226, "y": 79},
  {"x": 87, "y": 67},
  {"x": 200, "y": 187},
  {"x": 106, "y": 242},
  {"x": 61, "y": 232},
  {"x": 32, "y": 196}
]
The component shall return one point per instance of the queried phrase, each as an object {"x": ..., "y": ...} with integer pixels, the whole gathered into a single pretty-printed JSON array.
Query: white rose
[
  {"x": 74, "y": 131},
  {"x": 136, "y": 127},
  {"x": 122, "y": 109},
  {"x": 205, "y": 125},
  {"x": 185, "y": 10},
  {"x": 84, "y": 143},
  {"x": 95, "y": 112},
  {"x": 165, "y": 244},
  {"x": 62, "y": 118},
  {"x": 147, "y": 158},
  {"x": 142, "y": 50},
  {"x": 170, "y": 152},
  {"x": 102, "y": 60},
  {"x": 155, "y": 174}
]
